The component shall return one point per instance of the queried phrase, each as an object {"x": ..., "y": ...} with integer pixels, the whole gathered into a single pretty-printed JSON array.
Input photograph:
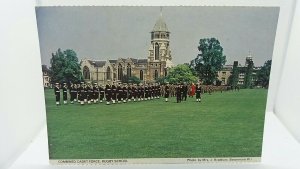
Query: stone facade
[{"x": 224, "y": 74}]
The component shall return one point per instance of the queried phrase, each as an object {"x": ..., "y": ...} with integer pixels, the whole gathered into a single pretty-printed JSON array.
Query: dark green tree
[
  {"x": 162, "y": 80},
  {"x": 248, "y": 74},
  {"x": 65, "y": 67},
  {"x": 180, "y": 73},
  {"x": 133, "y": 79},
  {"x": 263, "y": 75},
  {"x": 209, "y": 61}
]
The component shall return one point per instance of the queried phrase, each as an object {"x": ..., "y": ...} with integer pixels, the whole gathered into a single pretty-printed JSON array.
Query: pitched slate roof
[
  {"x": 134, "y": 60},
  {"x": 142, "y": 61},
  {"x": 112, "y": 61},
  {"x": 97, "y": 63}
]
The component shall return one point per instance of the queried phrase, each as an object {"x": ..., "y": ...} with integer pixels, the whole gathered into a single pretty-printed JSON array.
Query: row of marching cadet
[{"x": 122, "y": 93}]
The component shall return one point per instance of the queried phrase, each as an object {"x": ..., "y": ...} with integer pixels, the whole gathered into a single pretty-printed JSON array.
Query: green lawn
[{"x": 228, "y": 124}]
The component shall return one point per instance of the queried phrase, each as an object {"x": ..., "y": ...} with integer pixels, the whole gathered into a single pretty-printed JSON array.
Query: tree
[
  {"x": 209, "y": 61},
  {"x": 248, "y": 74},
  {"x": 263, "y": 75},
  {"x": 65, "y": 67},
  {"x": 180, "y": 73}
]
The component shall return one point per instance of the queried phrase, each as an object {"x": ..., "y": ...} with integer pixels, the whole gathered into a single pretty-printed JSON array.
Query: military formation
[{"x": 88, "y": 93}]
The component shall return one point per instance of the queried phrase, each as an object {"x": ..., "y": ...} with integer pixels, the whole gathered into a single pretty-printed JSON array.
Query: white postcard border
[{"x": 200, "y": 160}]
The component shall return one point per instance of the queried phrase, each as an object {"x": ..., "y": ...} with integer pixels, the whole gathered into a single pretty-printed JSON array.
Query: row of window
[
  {"x": 87, "y": 74},
  {"x": 157, "y": 35}
]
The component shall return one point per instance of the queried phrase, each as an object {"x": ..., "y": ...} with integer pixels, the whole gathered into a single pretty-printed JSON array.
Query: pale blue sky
[{"x": 103, "y": 33}]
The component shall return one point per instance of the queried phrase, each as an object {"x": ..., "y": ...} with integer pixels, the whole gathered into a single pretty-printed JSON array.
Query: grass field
[{"x": 228, "y": 124}]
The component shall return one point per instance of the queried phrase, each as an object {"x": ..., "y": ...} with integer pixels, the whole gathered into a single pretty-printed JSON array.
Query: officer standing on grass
[
  {"x": 184, "y": 91},
  {"x": 167, "y": 91},
  {"x": 178, "y": 92},
  {"x": 198, "y": 93},
  {"x": 65, "y": 93},
  {"x": 57, "y": 93}
]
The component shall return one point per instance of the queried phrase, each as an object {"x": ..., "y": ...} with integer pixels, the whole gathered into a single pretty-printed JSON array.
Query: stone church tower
[{"x": 159, "y": 56}]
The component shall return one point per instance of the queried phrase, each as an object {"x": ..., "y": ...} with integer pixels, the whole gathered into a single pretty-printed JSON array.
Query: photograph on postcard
[{"x": 150, "y": 84}]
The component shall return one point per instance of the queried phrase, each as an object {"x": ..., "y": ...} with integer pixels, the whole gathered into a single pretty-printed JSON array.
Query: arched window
[
  {"x": 166, "y": 71},
  {"x": 141, "y": 75},
  {"x": 156, "y": 57},
  {"x": 128, "y": 70},
  {"x": 108, "y": 73},
  {"x": 86, "y": 72},
  {"x": 120, "y": 72},
  {"x": 155, "y": 75}
]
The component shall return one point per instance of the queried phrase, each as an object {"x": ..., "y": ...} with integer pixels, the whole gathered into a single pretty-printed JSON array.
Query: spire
[{"x": 160, "y": 24}]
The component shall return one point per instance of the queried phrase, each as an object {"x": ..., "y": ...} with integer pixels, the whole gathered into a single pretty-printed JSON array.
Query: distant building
[
  {"x": 157, "y": 64},
  {"x": 46, "y": 77},
  {"x": 226, "y": 72}
]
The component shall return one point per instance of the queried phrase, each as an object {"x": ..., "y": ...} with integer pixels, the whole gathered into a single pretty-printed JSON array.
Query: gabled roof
[{"x": 97, "y": 63}]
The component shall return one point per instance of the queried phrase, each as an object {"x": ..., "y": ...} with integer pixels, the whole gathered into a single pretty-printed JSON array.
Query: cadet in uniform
[
  {"x": 124, "y": 93},
  {"x": 86, "y": 94},
  {"x": 113, "y": 93},
  {"x": 119, "y": 93},
  {"x": 72, "y": 92},
  {"x": 96, "y": 92},
  {"x": 129, "y": 88},
  {"x": 148, "y": 91},
  {"x": 102, "y": 91},
  {"x": 78, "y": 92},
  {"x": 150, "y": 88},
  {"x": 158, "y": 91},
  {"x": 139, "y": 92},
  {"x": 134, "y": 92},
  {"x": 57, "y": 93},
  {"x": 142, "y": 91},
  {"x": 82, "y": 94},
  {"x": 89, "y": 93},
  {"x": 108, "y": 94},
  {"x": 65, "y": 93},
  {"x": 198, "y": 93},
  {"x": 167, "y": 91}
]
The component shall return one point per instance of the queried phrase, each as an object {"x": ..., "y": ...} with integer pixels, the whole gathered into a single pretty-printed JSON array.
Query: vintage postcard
[{"x": 150, "y": 84}]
